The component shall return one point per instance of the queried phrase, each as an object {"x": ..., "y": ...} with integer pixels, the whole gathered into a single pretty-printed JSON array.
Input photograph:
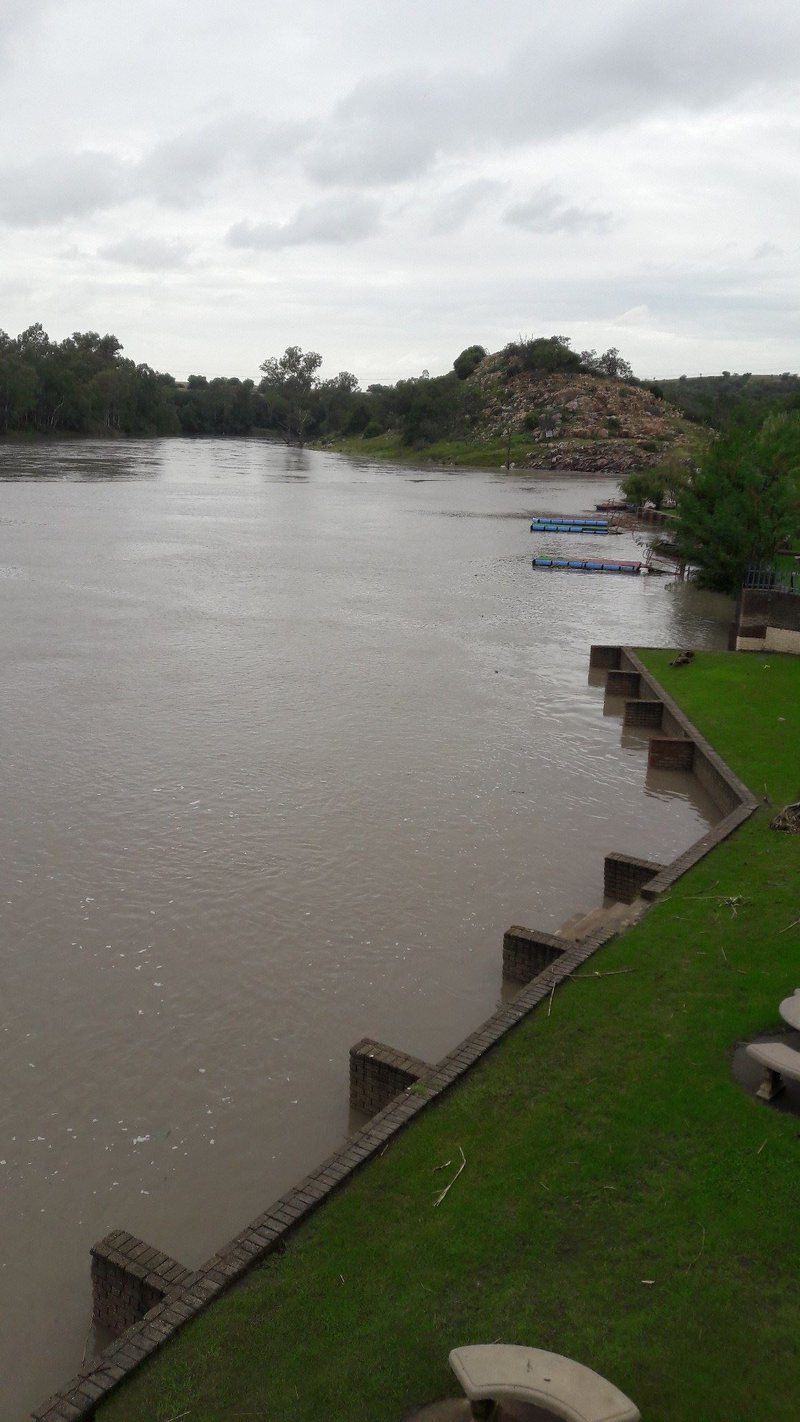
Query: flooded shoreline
[{"x": 290, "y": 739}]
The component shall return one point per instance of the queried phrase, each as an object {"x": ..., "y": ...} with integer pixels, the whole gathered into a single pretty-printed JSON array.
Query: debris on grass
[
  {"x": 787, "y": 819},
  {"x": 452, "y": 1182}
]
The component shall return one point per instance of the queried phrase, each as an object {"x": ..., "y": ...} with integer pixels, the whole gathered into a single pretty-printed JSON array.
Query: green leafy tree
[
  {"x": 290, "y": 385},
  {"x": 658, "y": 485},
  {"x": 743, "y": 502}
]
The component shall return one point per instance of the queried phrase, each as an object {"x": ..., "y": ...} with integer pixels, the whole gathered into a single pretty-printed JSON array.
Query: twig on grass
[
  {"x": 609, "y": 973},
  {"x": 761, "y": 1147},
  {"x": 793, "y": 924},
  {"x": 550, "y": 1002},
  {"x": 179, "y": 1415},
  {"x": 692, "y": 1262},
  {"x": 451, "y": 1183}
]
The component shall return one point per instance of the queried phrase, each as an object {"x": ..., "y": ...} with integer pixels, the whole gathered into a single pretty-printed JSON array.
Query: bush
[
  {"x": 545, "y": 353},
  {"x": 531, "y": 421},
  {"x": 468, "y": 361}
]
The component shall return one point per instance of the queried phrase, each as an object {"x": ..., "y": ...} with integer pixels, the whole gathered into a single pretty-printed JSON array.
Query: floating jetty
[
  {"x": 592, "y": 565},
  {"x": 570, "y": 525}
]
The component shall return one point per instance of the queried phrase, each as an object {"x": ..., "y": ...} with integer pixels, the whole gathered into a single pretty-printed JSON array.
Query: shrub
[{"x": 468, "y": 361}]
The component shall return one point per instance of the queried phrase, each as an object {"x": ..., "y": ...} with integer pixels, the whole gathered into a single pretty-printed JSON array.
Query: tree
[
  {"x": 743, "y": 502},
  {"x": 657, "y": 485},
  {"x": 609, "y": 363},
  {"x": 289, "y": 385}
]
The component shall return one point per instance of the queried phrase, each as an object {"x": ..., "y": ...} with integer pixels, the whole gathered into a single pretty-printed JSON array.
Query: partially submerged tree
[
  {"x": 290, "y": 384},
  {"x": 743, "y": 502},
  {"x": 659, "y": 485}
]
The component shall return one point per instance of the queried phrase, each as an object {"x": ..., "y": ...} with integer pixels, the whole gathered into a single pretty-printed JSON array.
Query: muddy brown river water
[{"x": 287, "y": 741}]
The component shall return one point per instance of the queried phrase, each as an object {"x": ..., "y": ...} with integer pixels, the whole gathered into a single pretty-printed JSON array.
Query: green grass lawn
[{"x": 624, "y": 1202}]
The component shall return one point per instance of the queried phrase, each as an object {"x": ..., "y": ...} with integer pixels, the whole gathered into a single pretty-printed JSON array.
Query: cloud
[
  {"x": 16, "y": 15},
  {"x": 620, "y": 66},
  {"x": 336, "y": 221},
  {"x": 548, "y": 212},
  {"x": 178, "y": 170},
  {"x": 455, "y": 208},
  {"x": 149, "y": 253},
  {"x": 56, "y": 186}
]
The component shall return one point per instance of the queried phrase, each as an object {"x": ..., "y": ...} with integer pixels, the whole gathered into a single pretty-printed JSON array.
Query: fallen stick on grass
[
  {"x": 610, "y": 973},
  {"x": 449, "y": 1186}
]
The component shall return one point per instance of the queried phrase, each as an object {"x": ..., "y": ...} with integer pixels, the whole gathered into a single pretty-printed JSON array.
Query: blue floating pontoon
[
  {"x": 558, "y": 520},
  {"x": 588, "y": 565},
  {"x": 539, "y": 526}
]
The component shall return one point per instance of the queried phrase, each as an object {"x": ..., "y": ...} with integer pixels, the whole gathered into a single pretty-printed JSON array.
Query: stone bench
[
  {"x": 790, "y": 1010},
  {"x": 498, "y": 1373},
  {"x": 781, "y": 1063}
]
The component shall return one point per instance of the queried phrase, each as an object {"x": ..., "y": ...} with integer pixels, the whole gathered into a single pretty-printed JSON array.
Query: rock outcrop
[{"x": 575, "y": 421}]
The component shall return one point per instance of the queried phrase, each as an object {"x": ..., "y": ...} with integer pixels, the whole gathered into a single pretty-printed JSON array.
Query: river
[{"x": 289, "y": 739}]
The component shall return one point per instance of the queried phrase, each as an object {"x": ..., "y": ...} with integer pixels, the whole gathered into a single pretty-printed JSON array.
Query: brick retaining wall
[
  {"x": 623, "y": 682},
  {"x": 643, "y": 713},
  {"x": 624, "y": 877},
  {"x": 128, "y": 1278},
  {"x": 670, "y": 753},
  {"x": 379, "y": 1073},
  {"x": 525, "y": 953}
]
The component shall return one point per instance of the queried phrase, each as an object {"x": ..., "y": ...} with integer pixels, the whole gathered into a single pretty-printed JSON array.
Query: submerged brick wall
[
  {"x": 624, "y": 876},
  {"x": 525, "y": 954},
  {"x": 670, "y": 753},
  {"x": 604, "y": 658},
  {"x": 379, "y": 1073},
  {"x": 128, "y": 1278},
  {"x": 623, "y": 683},
  {"x": 643, "y": 713}
]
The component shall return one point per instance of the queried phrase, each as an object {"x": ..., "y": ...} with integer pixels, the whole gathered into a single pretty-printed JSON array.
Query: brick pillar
[
  {"x": 128, "y": 1278},
  {"x": 379, "y": 1073},
  {"x": 624, "y": 876},
  {"x": 623, "y": 683},
  {"x": 643, "y": 713},
  {"x": 603, "y": 658},
  {"x": 526, "y": 954},
  {"x": 670, "y": 753}
]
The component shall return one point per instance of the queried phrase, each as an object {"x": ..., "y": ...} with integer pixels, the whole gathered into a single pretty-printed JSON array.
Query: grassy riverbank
[
  {"x": 623, "y": 1201},
  {"x": 462, "y": 454}
]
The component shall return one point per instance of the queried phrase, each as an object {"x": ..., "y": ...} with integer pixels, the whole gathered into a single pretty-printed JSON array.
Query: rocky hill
[{"x": 578, "y": 421}]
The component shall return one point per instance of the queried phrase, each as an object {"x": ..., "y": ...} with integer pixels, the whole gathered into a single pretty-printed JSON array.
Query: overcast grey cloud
[
  {"x": 389, "y": 182},
  {"x": 54, "y": 186},
  {"x": 547, "y": 211},
  {"x": 336, "y": 220},
  {"x": 154, "y": 254},
  {"x": 457, "y": 206}
]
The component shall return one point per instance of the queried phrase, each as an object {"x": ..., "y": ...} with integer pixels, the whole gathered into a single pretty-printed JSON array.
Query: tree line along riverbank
[{"x": 624, "y": 1201}]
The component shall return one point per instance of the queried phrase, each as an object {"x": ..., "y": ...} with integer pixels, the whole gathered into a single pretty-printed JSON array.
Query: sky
[{"x": 389, "y": 181}]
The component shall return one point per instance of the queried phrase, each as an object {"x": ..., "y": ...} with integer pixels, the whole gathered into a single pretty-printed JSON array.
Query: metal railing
[{"x": 765, "y": 577}]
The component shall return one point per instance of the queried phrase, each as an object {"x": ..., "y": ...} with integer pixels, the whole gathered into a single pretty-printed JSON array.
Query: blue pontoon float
[{"x": 590, "y": 565}]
